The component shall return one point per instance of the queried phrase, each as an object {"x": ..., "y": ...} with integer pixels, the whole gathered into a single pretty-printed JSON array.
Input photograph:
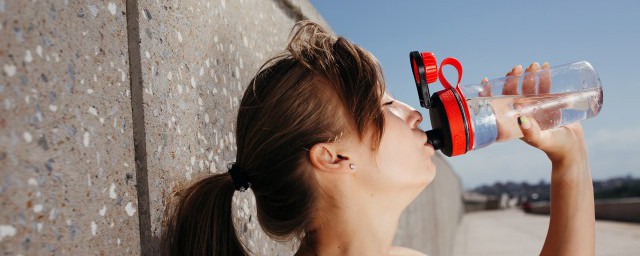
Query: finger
[
  {"x": 529, "y": 82},
  {"x": 511, "y": 82},
  {"x": 545, "y": 79},
  {"x": 486, "y": 88}
]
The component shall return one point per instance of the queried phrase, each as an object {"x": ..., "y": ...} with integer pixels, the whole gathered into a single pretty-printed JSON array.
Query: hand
[
  {"x": 557, "y": 142},
  {"x": 561, "y": 143}
]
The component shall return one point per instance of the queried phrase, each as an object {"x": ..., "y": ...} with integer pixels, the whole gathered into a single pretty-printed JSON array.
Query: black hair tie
[{"x": 239, "y": 178}]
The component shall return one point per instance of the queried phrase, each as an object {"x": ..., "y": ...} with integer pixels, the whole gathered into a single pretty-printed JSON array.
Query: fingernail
[
  {"x": 519, "y": 68},
  {"x": 536, "y": 65},
  {"x": 545, "y": 65},
  {"x": 524, "y": 122},
  {"x": 530, "y": 67}
]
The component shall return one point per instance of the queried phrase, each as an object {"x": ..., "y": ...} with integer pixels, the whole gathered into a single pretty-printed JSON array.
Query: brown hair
[{"x": 320, "y": 89}]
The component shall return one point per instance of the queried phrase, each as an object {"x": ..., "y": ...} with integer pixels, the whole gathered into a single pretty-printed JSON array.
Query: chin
[
  {"x": 422, "y": 182},
  {"x": 430, "y": 174}
]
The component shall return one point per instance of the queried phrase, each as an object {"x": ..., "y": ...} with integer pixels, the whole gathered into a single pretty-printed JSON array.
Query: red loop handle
[
  {"x": 459, "y": 147},
  {"x": 456, "y": 64}
]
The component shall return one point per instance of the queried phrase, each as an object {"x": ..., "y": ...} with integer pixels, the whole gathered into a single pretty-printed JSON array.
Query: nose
[
  {"x": 415, "y": 118},
  {"x": 410, "y": 115}
]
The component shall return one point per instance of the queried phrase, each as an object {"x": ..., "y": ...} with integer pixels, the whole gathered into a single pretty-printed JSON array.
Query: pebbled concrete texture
[{"x": 67, "y": 176}]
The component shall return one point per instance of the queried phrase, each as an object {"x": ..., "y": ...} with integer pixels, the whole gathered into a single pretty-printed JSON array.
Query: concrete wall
[
  {"x": 622, "y": 209},
  {"x": 67, "y": 169},
  {"x": 107, "y": 107}
]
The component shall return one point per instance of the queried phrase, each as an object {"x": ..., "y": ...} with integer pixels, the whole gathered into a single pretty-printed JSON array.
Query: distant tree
[
  {"x": 627, "y": 188},
  {"x": 618, "y": 187}
]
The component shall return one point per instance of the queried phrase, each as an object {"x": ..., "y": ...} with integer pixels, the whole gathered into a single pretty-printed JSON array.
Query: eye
[{"x": 388, "y": 103}]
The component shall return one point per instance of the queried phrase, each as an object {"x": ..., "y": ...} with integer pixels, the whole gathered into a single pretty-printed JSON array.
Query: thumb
[
  {"x": 530, "y": 131},
  {"x": 554, "y": 142}
]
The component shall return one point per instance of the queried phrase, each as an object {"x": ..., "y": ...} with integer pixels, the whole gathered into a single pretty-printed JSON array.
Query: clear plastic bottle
[
  {"x": 574, "y": 93},
  {"x": 473, "y": 116}
]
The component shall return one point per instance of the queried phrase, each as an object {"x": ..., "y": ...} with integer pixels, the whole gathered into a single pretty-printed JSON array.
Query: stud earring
[{"x": 352, "y": 166}]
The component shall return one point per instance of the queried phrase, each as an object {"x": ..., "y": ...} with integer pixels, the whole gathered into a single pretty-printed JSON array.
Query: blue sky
[{"x": 489, "y": 38}]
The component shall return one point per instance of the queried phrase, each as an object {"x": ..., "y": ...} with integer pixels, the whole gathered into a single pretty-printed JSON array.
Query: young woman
[{"x": 333, "y": 160}]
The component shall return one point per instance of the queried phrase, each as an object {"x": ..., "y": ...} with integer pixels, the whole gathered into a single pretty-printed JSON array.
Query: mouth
[
  {"x": 427, "y": 144},
  {"x": 428, "y": 148}
]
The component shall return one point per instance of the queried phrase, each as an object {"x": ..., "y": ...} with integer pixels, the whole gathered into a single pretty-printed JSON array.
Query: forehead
[{"x": 387, "y": 94}]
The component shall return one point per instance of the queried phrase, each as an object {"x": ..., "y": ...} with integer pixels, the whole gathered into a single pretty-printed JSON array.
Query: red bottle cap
[
  {"x": 430, "y": 66},
  {"x": 425, "y": 72},
  {"x": 425, "y": 68},
  {"x": 450, "y": 117}
]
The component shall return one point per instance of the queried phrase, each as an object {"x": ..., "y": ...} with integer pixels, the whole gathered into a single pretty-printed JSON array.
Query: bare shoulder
[{"x": 404, "y": 251}]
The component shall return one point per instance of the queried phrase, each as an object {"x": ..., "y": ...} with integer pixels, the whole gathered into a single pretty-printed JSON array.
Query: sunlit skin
[{"x": 359, "y": 209}]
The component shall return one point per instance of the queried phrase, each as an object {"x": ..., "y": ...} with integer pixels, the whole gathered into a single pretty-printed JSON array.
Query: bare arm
[
  {"x": 572, "y": 223},
  {"x": 572, "y": 219}
]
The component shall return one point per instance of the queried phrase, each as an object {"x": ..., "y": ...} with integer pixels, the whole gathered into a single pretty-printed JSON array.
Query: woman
[{"x": 333, "y": 160}]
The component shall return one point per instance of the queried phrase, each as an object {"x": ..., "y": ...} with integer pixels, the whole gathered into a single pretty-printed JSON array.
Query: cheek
[{"x": 399, "y": 159}]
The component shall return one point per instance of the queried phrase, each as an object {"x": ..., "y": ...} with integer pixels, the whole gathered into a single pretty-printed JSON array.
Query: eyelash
[{"x": 388, "y": 103}]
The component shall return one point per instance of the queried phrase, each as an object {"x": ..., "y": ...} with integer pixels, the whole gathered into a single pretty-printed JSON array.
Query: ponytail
[
  {"x": 201, "y": 222},
  {"x": 318, "y": 90}
]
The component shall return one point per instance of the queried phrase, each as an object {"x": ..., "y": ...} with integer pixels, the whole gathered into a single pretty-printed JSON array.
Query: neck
[{"x": 356, "y": 227}]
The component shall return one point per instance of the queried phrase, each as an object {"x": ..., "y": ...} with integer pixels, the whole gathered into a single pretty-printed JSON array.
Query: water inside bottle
[{"x": 495, "y": 118}]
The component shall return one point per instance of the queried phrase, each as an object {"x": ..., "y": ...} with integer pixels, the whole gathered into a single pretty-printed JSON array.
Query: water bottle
[{"x": 474, "y": 116}]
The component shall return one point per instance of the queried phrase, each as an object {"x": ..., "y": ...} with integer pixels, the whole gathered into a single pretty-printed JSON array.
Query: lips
[
  {"x": 429, "y": 148},
  {"x": 426, "y": 143},
  {"x": 426, "y": 139}
]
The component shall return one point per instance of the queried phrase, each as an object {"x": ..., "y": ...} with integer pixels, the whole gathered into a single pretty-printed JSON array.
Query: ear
[{"x": 324, "y": 157}]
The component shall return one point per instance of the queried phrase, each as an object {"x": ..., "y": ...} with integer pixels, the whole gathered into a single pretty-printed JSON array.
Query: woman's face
[{"x": 403, "y": 160}]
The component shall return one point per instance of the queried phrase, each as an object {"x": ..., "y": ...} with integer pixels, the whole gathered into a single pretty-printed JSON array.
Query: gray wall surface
[
  {"x": 618, "y": 209},
  {"x": 67, "y": 169},
  {"x": 108, "y": 107}
]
